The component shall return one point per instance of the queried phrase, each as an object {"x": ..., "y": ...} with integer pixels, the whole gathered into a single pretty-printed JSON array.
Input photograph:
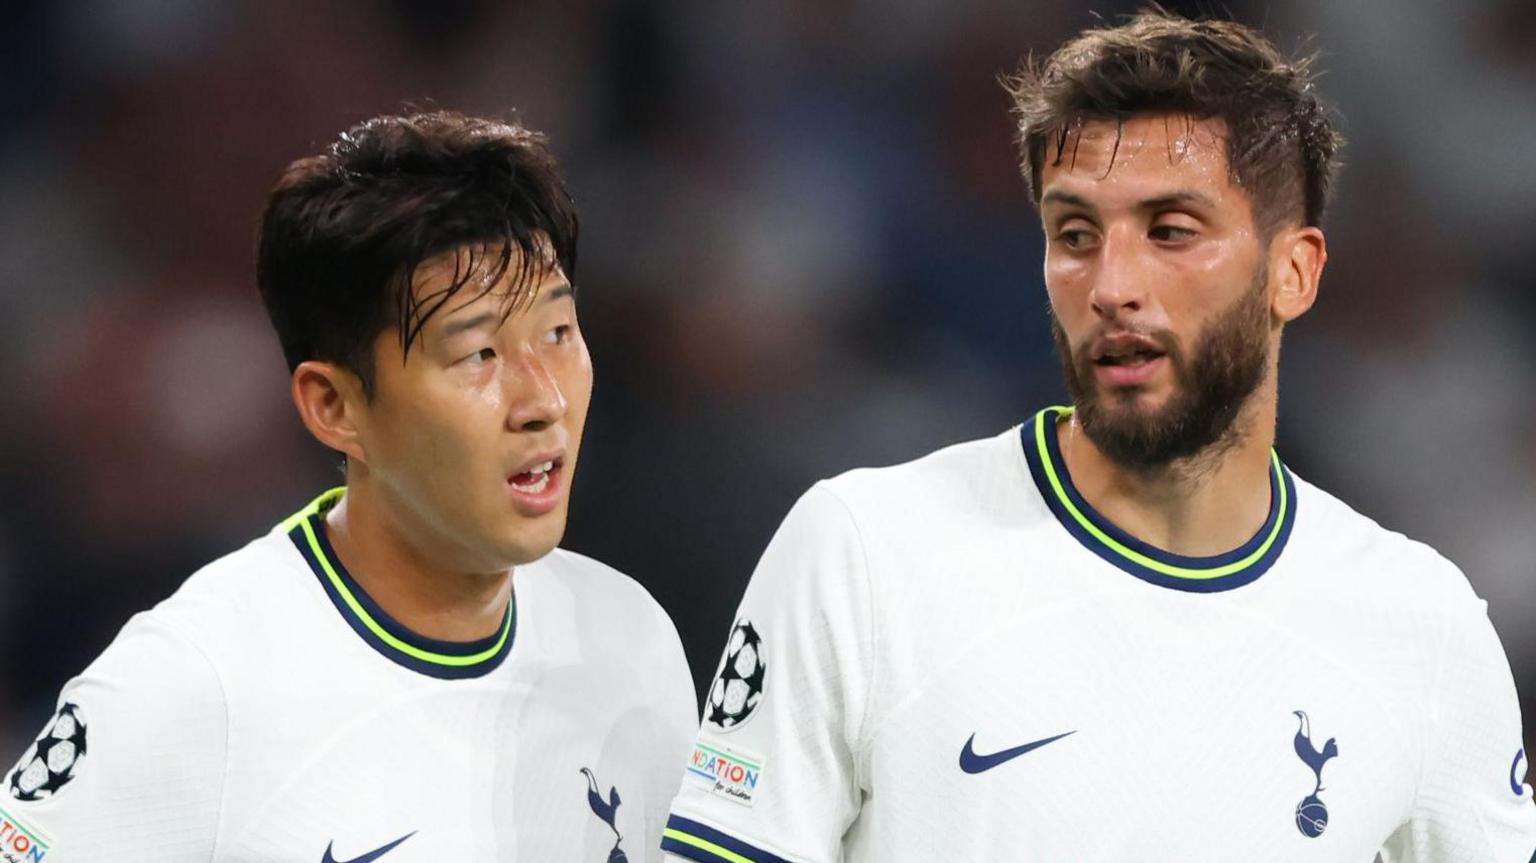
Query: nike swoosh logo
[
  {"x": 970, "y": 762},
  {"x": 370, "y": 856}
]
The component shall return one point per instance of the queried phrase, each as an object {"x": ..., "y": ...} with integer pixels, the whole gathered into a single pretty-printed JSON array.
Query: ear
[
  {"x": 330, "y": 401},
  {"x": 1300, "y": 254}
]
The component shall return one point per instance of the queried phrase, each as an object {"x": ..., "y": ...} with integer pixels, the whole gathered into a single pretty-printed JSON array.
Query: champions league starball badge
[
  {"x": 52, "y": 760},
  {"x": 738, "y": 686}
]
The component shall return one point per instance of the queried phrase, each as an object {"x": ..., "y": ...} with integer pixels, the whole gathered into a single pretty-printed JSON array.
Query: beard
[{"x": 1211, "y": 386}]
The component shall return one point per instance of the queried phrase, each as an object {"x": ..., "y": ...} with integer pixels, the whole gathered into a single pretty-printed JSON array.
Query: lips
[
  {"x": 1122, "y": 349},
  {"x": 1126, "y": 359},
  {"x": 536, "y": 478},
  {"x": 535, "y": 487}
]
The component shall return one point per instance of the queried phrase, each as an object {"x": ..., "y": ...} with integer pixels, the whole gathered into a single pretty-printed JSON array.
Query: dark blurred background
[{"x": 806, "y": 248}]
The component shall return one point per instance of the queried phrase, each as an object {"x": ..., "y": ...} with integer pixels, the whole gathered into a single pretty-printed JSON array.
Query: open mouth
[
  {"x": 1126, "y": 360},
  {"x": 1125, "y": 349},
  {"x": 1132, "y": 358},
  {"x": 537, "y": 478}
]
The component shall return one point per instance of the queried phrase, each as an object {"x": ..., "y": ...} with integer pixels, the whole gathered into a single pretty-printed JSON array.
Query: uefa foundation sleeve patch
[
  {"x": 21, "y": 842},
  {"x": 726, "y": 772},
  {"x": 53, "y": 759}
]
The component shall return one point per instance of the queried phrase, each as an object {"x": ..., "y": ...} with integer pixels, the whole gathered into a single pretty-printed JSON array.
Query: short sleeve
[
  {"x": 131, "y": 766},
  {"x": 776, "y": 773},
  {"x": 1473, "y": 802}
]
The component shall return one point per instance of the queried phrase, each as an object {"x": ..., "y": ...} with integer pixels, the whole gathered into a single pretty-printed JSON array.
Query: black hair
[{"x": 344, "y": 232}]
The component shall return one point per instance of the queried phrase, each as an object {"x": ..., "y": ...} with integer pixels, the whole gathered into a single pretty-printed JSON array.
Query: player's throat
[
  {"x": 426, "y": 599},
  {"x": 1202, "y": 506},
  {"x": 389, "y": 636},
  {"x": 1235, "y": 563}
]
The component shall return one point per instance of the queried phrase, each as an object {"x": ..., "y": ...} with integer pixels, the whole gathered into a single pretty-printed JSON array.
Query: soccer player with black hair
[
  {"x": 408, "y": 668},
  {"x": 1123, "y": 630}
]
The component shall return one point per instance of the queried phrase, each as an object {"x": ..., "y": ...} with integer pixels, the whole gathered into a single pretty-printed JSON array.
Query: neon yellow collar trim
[
  {"x": 431, "y": 656},
  {"x": 1202, "y": 574}
]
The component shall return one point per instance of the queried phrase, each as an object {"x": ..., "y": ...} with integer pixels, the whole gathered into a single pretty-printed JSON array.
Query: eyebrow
[
  {"x": 1182, "y": 196},
  {"x": 1056, "y": 196},
  {"x": 453, "y": 328}
]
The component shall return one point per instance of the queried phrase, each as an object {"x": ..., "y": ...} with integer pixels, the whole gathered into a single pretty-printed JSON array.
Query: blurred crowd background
[{"x": 805, "y": 247}]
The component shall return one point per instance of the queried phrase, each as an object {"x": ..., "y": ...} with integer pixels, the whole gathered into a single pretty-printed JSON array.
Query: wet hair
[
  {"x": 344, "y": 232},
  {"x": 1281, "y": 146}
]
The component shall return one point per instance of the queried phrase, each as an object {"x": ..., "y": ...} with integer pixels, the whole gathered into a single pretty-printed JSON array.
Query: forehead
[
  {"x": 473, "y": 276},
  {"x": 1144, "y": 157}
]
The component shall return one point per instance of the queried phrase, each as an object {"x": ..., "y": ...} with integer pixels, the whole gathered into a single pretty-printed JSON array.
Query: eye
[
  {"x": 558, "y": 336},
  {"x": 1074, "y": 238},
  {"x": 1171, "y": 233},
  {"x": 484, "y": 355}
]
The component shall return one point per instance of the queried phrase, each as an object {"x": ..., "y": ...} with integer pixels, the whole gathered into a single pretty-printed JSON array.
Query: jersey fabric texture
[
  {"x": 959, "y": 659},
  {"x": 270, "y": 711}
]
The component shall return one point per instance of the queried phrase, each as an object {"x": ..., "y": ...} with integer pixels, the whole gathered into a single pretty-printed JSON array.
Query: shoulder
[
  {"x": 177, "y": 642},
  {"x": 592, "y": 598},
  {"x": 894, "y": 525},
  {"x": 580, "y": 607},
  {"x": 959, "y": 483},
  {"x": 596, "y": 584},
  {"x": 140, "y": 739},
  {"x": 233, "y": 594},
  {"x": 1332, "y": 532},
  {"x": 153, "y": 661},
  {"x": 152, "y": 676}
]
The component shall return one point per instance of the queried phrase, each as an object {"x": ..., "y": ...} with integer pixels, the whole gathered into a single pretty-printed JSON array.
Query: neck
[
  {"x": 405, "y": 579},
  {"x": 1201, "y": 506}
]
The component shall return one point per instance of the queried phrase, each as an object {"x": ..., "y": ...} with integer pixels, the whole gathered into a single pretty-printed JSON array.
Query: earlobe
[
  {"x": 329, "y": 399},
  {"x": 1306, "y": 251}
]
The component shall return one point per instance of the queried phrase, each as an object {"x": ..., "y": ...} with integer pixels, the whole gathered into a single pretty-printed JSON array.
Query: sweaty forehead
[
  {"x": 1142, "y": 157},
  {"x": 480, "y": 275}
]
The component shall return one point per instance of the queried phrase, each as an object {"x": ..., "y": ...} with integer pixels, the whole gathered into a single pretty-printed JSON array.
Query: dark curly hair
[
  {"x": 344, "y": 232},
  {"x": 1281, "y": 146}
]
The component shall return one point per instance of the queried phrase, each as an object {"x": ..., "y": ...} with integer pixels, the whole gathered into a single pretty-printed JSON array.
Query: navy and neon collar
[
  {"x": 1099, "y": 535},
  {"x": 450, "y": 660}
]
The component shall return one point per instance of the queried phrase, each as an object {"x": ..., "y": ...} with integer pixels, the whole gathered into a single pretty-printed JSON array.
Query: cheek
[
  {"x": 1223, "y": 261},
  {"x": 1066, "y": 288},
  {"x": 434, "y": 442},
  {"x": 1214, "y": 283},
  {"x": 490, "y": 396},
  {"x": 576, "y": 383},
  {"x": 1061, "y": 270},
  {"x": 439, "y": 428}
]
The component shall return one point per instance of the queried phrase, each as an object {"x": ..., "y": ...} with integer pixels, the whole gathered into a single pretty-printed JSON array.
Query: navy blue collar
[
  {"x": 1099, "y": 535},
  {"x": 451, "y": 660}
]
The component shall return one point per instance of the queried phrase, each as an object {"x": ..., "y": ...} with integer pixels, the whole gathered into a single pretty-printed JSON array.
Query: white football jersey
[
  {"x": 271, "y": 711},
  {"x": 959, "y": 659}
]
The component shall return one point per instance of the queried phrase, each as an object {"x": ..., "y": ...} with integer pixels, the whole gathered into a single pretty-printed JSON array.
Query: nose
[
  {"x": 1120, "y": 281},
  {"x": 535, "y": 400}
]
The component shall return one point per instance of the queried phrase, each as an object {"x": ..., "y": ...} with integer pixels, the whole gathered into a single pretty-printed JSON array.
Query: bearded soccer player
[
  {"x": 407, "y": 669},
  {"x": 1123, "y": 630}
]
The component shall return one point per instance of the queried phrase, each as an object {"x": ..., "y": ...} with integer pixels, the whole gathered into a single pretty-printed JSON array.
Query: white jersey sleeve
[
  {"x": 131, "y": 767},
  {"x": 778, "y": 769},
  {"x": 1473, "y": 801}
]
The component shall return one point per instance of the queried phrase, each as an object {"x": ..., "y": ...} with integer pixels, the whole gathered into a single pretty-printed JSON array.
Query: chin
[
  {"x": 1136, "y": 402},
  {"x": 528, "y": 546}
]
